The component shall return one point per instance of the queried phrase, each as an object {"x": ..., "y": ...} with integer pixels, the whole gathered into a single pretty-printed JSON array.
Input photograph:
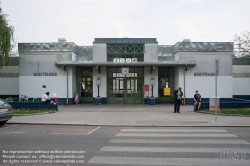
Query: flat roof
[
  {"x": 91, "y": 63},
  {"x": 125, "y": 40}
]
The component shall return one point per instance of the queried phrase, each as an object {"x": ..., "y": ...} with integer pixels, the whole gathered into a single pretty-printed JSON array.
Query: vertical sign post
[{"x": 215, "y": 100}]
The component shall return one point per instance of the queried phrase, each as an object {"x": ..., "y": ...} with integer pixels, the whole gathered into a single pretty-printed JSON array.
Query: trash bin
[
  {"x": 212, "y": 103},
  {"x": 152, "y": 101},
  {"x": 98, "y": 101}
]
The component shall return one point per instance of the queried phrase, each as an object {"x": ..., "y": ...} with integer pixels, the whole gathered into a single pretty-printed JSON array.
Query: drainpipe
[
  {"x": 67, "y": 100},
  {"x": 186, "y": 68}
]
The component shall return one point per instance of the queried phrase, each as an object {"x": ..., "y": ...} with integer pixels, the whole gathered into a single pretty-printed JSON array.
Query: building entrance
[{"x": 125, "y": 88}]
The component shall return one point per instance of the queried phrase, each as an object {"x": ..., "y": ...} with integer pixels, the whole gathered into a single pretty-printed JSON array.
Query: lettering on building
[
  {"x": 204, "y": 74},
  {"x": 45, "y": 74}
]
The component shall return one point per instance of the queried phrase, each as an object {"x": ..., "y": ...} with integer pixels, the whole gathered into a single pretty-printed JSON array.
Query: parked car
[{"x": 5, "y": 112}]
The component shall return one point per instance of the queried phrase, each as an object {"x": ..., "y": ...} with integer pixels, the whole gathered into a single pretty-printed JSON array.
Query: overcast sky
[{"x": 170, "y": 21}]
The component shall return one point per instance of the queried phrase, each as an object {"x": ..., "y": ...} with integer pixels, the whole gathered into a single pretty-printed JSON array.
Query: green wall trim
[
  {"x": 86, "y": 99},
  {"x": 165, "y": 99}
]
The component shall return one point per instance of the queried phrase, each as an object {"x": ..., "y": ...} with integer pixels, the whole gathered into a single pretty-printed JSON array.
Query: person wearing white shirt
[{"x": 45, "y": 97}]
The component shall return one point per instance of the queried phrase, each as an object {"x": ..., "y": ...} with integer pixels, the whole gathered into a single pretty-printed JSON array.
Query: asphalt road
[{"x": 107, "y": 146}]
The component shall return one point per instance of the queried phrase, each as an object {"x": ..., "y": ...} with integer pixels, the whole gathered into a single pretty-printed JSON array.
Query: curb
[
  {"x": 224, "y": 114},
  {"x": 34, "y": 114},
  {"x": 117, "y": 125}
]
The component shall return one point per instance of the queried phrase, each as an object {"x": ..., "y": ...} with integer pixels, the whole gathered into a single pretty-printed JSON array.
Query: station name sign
[
  {"x": 204, "y": 74},
  {"x": 45, "y": 74}
]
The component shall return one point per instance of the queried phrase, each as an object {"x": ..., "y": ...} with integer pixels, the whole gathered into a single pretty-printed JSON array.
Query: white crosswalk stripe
[
  {"x": 166, "y": 161},
  {"x": 172, "y": 130},
  {"x": 172, "y": 141},
  {"x": 173, "y": 135},
  {"x": 225, "y": 148},
  {"x": 165, "y": 149}
]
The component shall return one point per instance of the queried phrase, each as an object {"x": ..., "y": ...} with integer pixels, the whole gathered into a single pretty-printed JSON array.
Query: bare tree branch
[{"x": 242, "y": 43}]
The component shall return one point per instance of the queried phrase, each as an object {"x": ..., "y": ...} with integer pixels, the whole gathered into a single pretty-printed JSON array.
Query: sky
[{"x": 170, "y": 21}]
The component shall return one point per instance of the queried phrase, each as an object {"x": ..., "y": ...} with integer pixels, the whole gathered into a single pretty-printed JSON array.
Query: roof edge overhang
[{"x": 163, "y": 63}]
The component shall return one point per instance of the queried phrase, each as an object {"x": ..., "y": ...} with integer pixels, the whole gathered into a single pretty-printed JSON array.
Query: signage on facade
[
  {"x": 45, "y": 74},
  {"x": 166, "y": 91},
  {"x": 146, "y": 87},
  {"x": 125, "y": 71},
  {"x": 204, "y": 74}
]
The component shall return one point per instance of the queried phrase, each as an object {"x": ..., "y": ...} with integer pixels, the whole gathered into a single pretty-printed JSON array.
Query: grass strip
[
  {"x": 29, "y": 111},
  {"x": 230, "y": 111}
]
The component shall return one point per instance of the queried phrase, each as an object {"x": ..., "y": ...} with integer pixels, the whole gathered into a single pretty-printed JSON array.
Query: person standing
[
  {"x": 177, "y": 99},
  {"x": 197, "y": 101}
]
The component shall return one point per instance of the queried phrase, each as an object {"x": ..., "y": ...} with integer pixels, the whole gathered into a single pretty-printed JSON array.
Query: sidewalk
[{"x": 130, "y": 115}]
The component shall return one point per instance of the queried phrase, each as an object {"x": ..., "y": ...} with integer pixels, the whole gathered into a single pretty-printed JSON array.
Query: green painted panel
[
  {"x": 128, "y": 100},
  {"x": 86, "y": 99},
  {"x": 138, "y": 100},
  {"x": 165, "y": 99},
  {"x": 111, "y": 100}
]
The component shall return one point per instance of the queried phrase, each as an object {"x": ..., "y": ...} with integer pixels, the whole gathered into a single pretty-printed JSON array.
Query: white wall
[
  {"x": 9, "y": 81},
  {"x": 9, "y": 86},
  {"x": 206, "y": 84},
  {"x": 74, "y": 81},
  {"x": 241, "y": 80},
  {"x": 44, "y": 62},
  {"x": 99, "y": 52},
  {"x": 147, "y": 77},
  {"x": 206, "y": 62},
  {"x": 241, "y": 69},
  {"x": 9, "y": 69},
  {"x": 241, "y": 86},
  {"x": 103, "y": 87},
  {"x": 33, "y": 87},
  {"x": 176, "y": 57},
  {"x": 176, "y": 79},
  {"x": 151, "y": 52}
]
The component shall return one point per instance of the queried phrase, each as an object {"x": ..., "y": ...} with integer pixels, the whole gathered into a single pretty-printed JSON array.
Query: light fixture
[
  {"x": 98, "y": 84},
  {"x": 152, "y": 83}
]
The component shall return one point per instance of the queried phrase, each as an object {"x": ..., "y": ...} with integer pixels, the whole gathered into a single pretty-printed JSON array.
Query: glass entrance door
[
  {"x": 125, "y": 89},
  {"x": 129, "y": 91},
  {"x": 85, "y": 84}
]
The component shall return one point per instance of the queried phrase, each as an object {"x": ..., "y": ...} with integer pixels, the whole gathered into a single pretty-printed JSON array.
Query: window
[{"x": 125, "y": 53}]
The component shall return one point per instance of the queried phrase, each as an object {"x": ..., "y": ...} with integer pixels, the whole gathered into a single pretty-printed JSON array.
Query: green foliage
[{"x": 6, "y": 38}]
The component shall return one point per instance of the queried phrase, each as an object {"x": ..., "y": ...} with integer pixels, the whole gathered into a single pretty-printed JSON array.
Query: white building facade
[{"x": 125, "y": 67}]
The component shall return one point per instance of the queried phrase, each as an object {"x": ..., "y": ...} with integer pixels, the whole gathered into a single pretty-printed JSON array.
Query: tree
[
  {"x": 6, "y": 38},
  {"x": 242, "y": 43}
]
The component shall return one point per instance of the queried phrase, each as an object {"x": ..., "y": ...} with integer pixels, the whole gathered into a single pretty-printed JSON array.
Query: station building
[{"x": 129, "y": 70}]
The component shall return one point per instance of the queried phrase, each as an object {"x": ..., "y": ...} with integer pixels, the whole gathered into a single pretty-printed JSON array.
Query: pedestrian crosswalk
[{"x": 154, "y": 146}]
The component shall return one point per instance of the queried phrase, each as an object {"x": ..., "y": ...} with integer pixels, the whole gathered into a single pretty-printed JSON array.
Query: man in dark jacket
[
  {"x": 197, "y": 101},
  {"x": 177, "y": 99}
]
